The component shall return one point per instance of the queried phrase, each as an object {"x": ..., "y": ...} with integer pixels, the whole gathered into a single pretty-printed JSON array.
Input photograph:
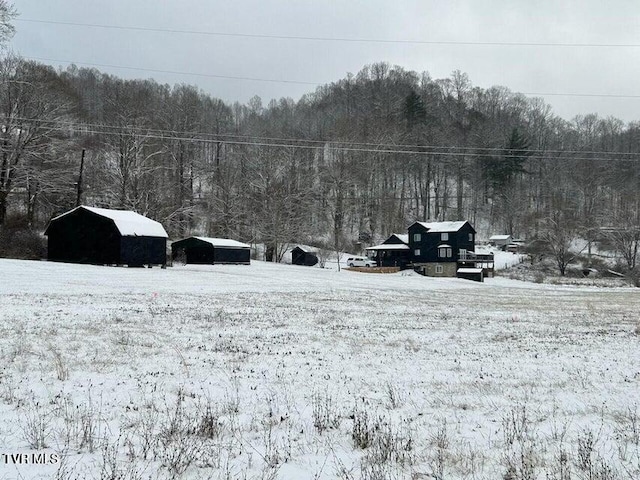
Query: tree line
[{"x": 345, "y": 165}]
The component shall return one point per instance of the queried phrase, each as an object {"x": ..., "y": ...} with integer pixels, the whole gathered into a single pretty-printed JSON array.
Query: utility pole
[{"x": 79, "y": 184}]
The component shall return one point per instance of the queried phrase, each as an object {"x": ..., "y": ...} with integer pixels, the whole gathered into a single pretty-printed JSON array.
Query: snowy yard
[{"x": 278, "y": 371}]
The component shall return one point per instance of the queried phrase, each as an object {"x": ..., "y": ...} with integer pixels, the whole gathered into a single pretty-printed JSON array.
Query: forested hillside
[{"x": 350, "y": 162}]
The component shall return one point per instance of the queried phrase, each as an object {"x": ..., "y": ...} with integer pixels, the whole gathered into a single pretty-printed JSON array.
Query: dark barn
[
  {"x": 300, "y": 256},
  {"x": 209, "y": 251},
  {"x": 102, "y": 236}
]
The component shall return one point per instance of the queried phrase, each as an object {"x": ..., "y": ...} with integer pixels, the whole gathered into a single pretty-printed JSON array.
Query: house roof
[
  {"x": 223, "y": 242},
  {"x": 500, "y": 237},
  {"x": 403, "y": 237},
  {"x": 128, "y": 222},
  {"x": 389, "y": 246},
  {"x": 443, "y": 227}
]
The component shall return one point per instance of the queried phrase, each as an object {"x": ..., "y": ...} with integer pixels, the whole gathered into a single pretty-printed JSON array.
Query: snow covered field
[{"x": 279, "y": 371}]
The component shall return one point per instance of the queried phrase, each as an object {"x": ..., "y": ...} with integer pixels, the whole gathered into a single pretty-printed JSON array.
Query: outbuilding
[
  {"x": 301, "y": 256},
  {"x": 210, "y": 251},
  {"x": 103, "y": 236},
  {"x": 500, "y": 241},
  {"x": 475, "y": 274}
]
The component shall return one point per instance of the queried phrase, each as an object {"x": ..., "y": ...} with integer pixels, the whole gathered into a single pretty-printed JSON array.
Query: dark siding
[
  {"x": 300, "y": 257},
  {"x": 476, "y": 277},
  {"x": 393, "y": 258},
  {"x": 231, "y": 255},
  {"x": 203, "y": 253},
  {"x": 429, "y": 243},
  {"x": 196, "y": 251},
  {"x": 297, "y": 256},
  {"x": 84, "y": 237},
  {"x": 138, "y": 251}
]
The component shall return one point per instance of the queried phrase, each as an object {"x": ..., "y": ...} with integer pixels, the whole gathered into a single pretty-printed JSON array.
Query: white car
[{"x": 361, "y": 262}]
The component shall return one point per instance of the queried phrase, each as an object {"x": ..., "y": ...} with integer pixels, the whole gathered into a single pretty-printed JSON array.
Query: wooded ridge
[{"x": 353, "y": 161}]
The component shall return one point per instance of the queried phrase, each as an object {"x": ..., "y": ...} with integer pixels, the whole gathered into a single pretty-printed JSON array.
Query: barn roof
[
  {"x": 128, "y": 223},
  {"x": 442, "y": 227},
  {"x": 223, "y": 242},
  {"x": 500, "y": 237},
  {"x": 305, "y": 249}
]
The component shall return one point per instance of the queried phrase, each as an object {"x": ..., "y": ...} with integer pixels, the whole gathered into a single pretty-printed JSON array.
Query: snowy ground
[{"x": 279, "y": 371}]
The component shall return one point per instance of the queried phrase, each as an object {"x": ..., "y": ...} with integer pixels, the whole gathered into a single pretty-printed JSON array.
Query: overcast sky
[{"x": 528, "y": 69}]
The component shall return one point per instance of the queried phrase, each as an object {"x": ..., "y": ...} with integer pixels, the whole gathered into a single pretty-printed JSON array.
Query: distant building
[
  {"x": 393, "y": 252},
  {"x": 500, "y": 241},
  {"x": 471, "y": 273},
  {"x": 300, "y": 256},
  {"x": 106, "y": 237},
  {"x": 436, "y": 247},
  {"x": 209, "y": 251}
]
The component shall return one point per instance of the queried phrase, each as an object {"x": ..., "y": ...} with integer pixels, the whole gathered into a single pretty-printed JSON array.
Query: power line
[
  {"x": 315, "y": 147},
  {"x": 175, "y": 72},
  {"x": 271, "y": 80},
  {"x": 335, "y": 39},
  {"x": 224, "y": 138}
]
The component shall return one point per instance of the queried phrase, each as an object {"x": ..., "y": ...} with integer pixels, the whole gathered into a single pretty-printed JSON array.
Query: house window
[
  {"x": 471, "y": 237},
  {"x": 444, "y": 252},
  {"x": 417, "y": 237},
  {"x": 444, "y": 236},
  {"x": 416, "y": 252},
  {"x": 439, "y": 269}
]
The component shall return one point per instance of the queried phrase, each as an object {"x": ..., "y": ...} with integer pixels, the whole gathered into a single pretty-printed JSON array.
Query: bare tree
[
  {"x": 32, "y": 102},
  {"x": 560, "y": 237},
  {"x": 626, "y": 242},
  {"x": 7, "y": 14}
]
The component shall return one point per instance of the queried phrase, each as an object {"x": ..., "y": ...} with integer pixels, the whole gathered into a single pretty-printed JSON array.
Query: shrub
[{"x": 18, "y": 240}]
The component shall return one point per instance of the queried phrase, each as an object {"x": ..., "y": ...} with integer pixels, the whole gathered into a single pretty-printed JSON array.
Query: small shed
[
  {"x": 210, "y": 251},
  {"x": 500, "y": 240},
  {"x": 300, "y": 256},
  {"x": 475, "y": 274},
  {"x": 103, "y": 236}
]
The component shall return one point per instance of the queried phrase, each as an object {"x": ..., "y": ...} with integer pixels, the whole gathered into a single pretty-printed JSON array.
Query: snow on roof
[
  {"x": 444, "y": 245},
  {"x": 306, "y": 249},
  {"x": 437, "y": 227},
  {"x": 404, "y": 237},
  {"x": 223, "y": 242},
  {"x": 469, "y": 270},
  {"x": 389, "y": 246},
  {"x": 128, "y": 222},
  {"x": 500, "y": 237}
]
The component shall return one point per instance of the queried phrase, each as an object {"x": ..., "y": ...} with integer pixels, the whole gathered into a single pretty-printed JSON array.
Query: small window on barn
[
  {"x": 439, "y": 269},
  {"x": 444, "y": 236},
  {"x": 416, "y": 252},
  {"x": 471, "y": 237},
  {"x": 417, "y": 237}
]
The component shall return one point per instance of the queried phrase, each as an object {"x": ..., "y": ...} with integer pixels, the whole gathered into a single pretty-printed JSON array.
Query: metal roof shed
[
  {"x": 103, "y": 236},
  {"x": 210, "y": 251}
]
